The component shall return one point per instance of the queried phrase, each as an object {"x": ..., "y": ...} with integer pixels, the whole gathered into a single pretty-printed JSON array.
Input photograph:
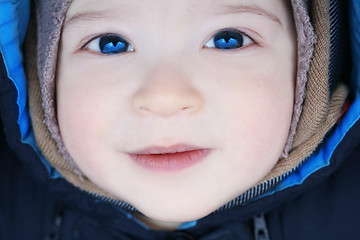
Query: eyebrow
[
  {"x": 88, "y": 16},
  {"x": 227, "y": 9},
  {"x": 236, "y": 9}
]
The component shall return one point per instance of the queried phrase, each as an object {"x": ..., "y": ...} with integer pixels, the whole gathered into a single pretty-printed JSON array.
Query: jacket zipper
[{"x": 260, "y": 229}]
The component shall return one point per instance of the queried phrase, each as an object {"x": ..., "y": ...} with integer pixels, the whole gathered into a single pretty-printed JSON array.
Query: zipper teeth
[
  {"x": 117, "y": 203},
  {"x": 242, "y": 199},
  {"x": 337, "y": 50},
  {"x": 256, "y": 191}
]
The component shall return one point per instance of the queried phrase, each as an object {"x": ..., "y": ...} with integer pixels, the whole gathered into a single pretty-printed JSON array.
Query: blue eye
[
  {"x": 110, "y": 44},
  {"x": 229, "y": 39}
]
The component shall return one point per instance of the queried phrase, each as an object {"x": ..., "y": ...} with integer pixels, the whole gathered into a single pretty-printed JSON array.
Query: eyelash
[
  {"x": 224, "y": 40},
  {"x": 229, "y": 34},
  {"x": 96, "y": 42}
]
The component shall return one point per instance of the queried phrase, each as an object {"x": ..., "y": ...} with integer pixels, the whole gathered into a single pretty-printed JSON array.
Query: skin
[{"x": 174, "y": 89}]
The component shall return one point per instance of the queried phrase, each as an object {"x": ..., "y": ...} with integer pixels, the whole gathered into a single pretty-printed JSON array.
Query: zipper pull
[
  {"x": 260, "y": 229},
  {"x": 54, "y": 233}
]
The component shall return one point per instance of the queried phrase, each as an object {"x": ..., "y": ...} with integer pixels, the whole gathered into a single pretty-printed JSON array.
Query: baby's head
[{"x": 176, "y": 107}]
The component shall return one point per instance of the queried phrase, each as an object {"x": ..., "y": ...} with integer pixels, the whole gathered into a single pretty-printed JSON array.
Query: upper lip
[{"x": 165, "y": 150}]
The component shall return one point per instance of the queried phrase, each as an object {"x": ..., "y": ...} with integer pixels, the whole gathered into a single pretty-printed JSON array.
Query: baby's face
[{"x": 176, "y": 107}]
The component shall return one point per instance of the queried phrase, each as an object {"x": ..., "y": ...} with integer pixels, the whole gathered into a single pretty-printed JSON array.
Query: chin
[
  {"x": 179, "y": 216},
  {"x": 178, "y": 212}
]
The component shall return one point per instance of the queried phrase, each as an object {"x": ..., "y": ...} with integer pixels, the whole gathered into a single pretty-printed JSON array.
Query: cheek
[
  {"x": 84, "y": 114},
  {"x": 259, "y": 114}
]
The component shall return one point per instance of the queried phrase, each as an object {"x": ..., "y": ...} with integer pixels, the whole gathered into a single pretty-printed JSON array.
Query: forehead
[
  {"x": 273, "y": 9},
  {"x": 188, "y": 3}
]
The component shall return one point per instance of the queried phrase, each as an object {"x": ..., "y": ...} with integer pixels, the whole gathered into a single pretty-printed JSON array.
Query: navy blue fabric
[
  {"x": 33, "y": 205},
  {"x": 327, "y": 208}
]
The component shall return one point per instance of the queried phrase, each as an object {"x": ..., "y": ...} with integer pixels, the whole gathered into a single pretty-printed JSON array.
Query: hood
[{"x": 14, "y": 20}]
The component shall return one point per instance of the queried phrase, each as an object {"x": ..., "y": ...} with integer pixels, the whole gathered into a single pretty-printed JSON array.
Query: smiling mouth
[{"x": 172, "y": 158}]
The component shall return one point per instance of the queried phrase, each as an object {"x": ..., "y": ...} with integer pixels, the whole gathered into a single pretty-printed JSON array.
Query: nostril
[
  {"x": 167, "y": 101},
  {"x": 144, "y": 109}
]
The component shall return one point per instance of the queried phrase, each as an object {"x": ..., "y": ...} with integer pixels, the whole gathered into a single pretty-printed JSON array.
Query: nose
[{"x": 166, "y": 93}]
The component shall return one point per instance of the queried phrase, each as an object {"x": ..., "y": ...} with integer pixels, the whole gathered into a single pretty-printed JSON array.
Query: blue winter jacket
[{"x": 320, "y": 200}]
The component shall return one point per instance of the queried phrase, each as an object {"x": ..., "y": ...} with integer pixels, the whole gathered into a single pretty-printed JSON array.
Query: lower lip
[{"x": 170, "y": 161}]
